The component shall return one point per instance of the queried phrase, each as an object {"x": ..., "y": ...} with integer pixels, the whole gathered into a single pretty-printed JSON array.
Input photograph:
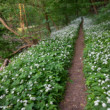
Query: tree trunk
[
  {"x": 21, "y": 17},
  {"x": 47, "y": 22},
  {"x": 94, "y": 7},
  {"x": 77, "y": 12},
  {"x": 10, "y": 29},
  {"x": 46, "y": 17},
  {"x": 66, "y": 19},
  {"x": 105, "y": 2},
  {"x": 54, "y": 23}
]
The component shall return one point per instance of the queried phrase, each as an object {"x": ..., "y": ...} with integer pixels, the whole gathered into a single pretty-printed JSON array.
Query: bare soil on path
[{"x": 75, "y": 95}]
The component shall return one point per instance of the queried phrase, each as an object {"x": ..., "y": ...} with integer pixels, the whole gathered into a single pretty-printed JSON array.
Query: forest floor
[{"x": 75, "y": 95}]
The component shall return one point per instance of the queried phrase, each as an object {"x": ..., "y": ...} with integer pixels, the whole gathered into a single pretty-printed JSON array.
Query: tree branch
[{"x": 10, "y": 29}]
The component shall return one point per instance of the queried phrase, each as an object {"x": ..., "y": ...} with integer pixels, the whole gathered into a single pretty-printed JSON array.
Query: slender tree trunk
[
  {"x": 66, "y": 19},
  {"x": 53, "y": 23},
  {"x": 25, "y": 17},
  {"x": 77, "y": 9},
  {"x": 77, "y": 12},
  {"x": 42, "y": 6},
  {"x": 94, "y": 7},
  {"x": 105, "y": 2},
  {"x": 46, "y": 17},
  {"x": 21, "y": 17},
  {"x": 47, "y": 22}
]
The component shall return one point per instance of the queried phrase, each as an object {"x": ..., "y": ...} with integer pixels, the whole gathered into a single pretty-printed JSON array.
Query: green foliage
[
  {"x": 36, "y": 78},
  {"x": 97, "y": 65},
  {"x": 104, "y": 15},
  {"x": 7, "y": 45}
]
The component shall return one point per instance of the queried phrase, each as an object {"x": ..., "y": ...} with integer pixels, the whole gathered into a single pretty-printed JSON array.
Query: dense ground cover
[
  {"x": 35, "y": 79},
  {"x": 97, "y": 64}
]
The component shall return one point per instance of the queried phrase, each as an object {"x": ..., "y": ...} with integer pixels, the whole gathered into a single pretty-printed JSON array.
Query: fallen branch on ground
[{"x": 20, "y": 49}]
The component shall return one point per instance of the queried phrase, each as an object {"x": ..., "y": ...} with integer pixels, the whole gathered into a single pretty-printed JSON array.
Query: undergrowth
[
  {"x": 36, "y": 78},
  {"x": 97, "y": 64}
]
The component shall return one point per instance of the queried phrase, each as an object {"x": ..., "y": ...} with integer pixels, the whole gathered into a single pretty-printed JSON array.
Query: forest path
[{"x": 75, "y": 95}]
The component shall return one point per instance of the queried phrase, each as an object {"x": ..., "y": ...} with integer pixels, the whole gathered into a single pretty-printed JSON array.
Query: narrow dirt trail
[{"x": 75, "y": 95}]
